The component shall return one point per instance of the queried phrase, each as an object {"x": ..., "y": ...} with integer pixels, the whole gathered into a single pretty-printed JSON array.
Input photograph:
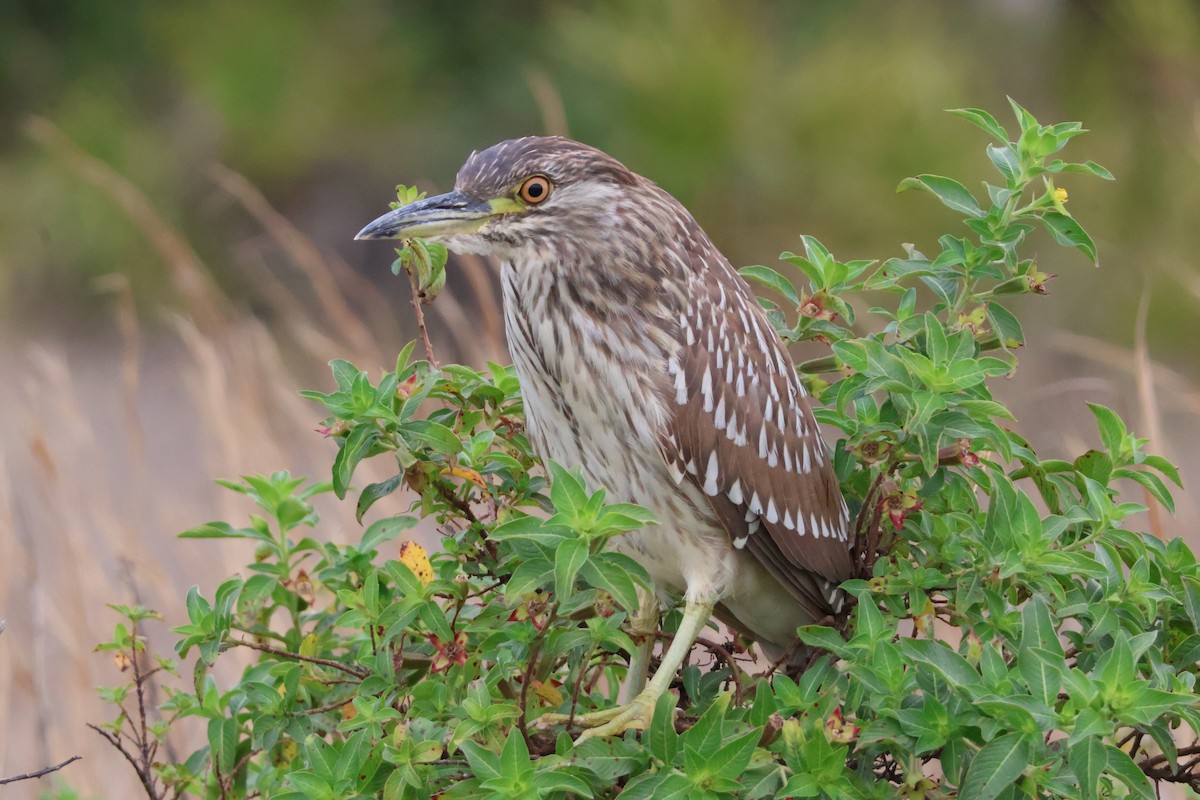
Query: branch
[
  {"x": 147, "y": 780},
  {"x": 417, "y": 300},
  {"x": 39, "y": 773},
  {"x": 297, "y": 657}
]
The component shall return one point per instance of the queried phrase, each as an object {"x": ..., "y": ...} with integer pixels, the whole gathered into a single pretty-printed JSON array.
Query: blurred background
[{"x": 180, "y": 184}]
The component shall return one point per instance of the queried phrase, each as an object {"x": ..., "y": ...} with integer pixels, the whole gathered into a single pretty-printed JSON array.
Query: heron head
[{"x": 535, "y": 193}]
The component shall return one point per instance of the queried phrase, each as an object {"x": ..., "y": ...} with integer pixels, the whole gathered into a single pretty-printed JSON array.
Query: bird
[{"x": 645, "y": 360}]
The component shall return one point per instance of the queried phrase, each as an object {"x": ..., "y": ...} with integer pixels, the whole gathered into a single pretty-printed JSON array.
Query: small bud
[
  {"x": 871, "y": 451},
  {"x": 535, "y": 608},
  {"x": 1037, "y": 282},
  {"x": 407, "y": 387},
  {"x": 899, "y": 505},
  {"x": 973, "y": 321},
  {"x": 448, "y": 653},
  {"x": 966, "y": 455},
  {"x": 604, "y": 604},
  {"x": 974, "y": 648},
  {"x": 839, "y": 730},
  {"x": 1060, "y": 195}
]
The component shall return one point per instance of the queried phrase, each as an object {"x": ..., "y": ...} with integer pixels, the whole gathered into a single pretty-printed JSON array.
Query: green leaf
[
  {"x": 383, "y": 530},
  {"x": 1008, "y": 329},
  {"x": 1191, "y": 599},
  {"x": 952, "y": 193},
  {"x": 981, "y": 119},
  {"x": 558, "y": 779},
  {"x": 484, "y": 762},
  {"x": 570, "y": 556},
  {"x": 1006, "y": 162},
  {"x": 422, "y": 433},
  {"x": 344, "y": 373},
  {"x": 731, "y": 760},
  {"x": 354, "y": 448},
  {"x": 996, "y": 767},
  {"x": 1112, "y": 429},
  {"x": 1165, "y": 467},
  {"x": 514, "y": 759},
  {"x": 527, "y": 578},
  {"x": 950, "y": 666},
  {"x": 606, "y": 575},
  {"x": 1126, "y": 771},
  {"x": 1067, "y": 231},
  {"x": 772, "y": 280},
  {"x": 661, "y": 739},
  {"x": 374, "y": 492},
  {"x": 567, "y": 491},
  {"x": 1088, "y": 760}
]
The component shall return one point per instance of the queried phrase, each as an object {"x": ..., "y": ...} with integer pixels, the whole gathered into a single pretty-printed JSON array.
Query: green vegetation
[{"x": 1009, "y": 637}]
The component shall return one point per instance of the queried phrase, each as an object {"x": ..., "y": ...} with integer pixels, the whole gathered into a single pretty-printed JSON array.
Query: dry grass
[
  {"x": 110, "y": 450},
  {"x": 110, "y": 446}
]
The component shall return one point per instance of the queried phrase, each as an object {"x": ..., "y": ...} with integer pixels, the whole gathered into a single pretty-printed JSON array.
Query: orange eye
[{"x": 534, "y": 190}]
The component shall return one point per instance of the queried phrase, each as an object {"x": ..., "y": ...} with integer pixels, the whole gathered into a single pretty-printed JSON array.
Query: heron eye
[{"x": 534, "y": 190}]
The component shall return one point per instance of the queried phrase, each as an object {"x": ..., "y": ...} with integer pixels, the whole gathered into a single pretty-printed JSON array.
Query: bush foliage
[{"x": 1010, "y": 637}]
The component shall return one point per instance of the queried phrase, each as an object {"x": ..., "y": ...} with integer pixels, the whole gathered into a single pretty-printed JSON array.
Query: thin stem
[
  {"x": 418, "y": 298},
  {"x": 39, "y": 773},
  {"x": 358, "y": 673}
]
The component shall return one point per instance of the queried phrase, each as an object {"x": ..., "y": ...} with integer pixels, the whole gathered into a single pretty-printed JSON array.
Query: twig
[
  {"x": 39, "y": 773},
  {"x": 1154, "y": 761},
  {"x": 417, "y": 299},
  {"x": 147, "y": 781},
  {"x": 779, "y": 662},
  {"x": 325, "y": 662},
  {"x": 734, "y": 670},
  {"x": 306, "y": 712},
  {"x": 530, "y": 665}
]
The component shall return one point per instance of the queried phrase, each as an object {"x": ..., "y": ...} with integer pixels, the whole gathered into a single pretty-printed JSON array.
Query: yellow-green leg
[
  {"x": 642, "y": 627},
  {"x": 637, "y": 714}
]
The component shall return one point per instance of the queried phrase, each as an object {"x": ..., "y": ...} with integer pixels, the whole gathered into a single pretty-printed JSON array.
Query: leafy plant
[{"x": 1010, "y": 635}]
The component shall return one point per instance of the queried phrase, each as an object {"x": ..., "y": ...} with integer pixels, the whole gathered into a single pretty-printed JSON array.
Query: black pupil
[{"x": 535, "y": 189}]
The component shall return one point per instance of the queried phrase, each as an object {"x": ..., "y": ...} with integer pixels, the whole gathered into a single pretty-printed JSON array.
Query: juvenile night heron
[{"x": 645, "y": 360}]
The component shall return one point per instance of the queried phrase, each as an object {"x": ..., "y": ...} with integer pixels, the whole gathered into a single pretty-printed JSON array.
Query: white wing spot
[
  {"x": 772, "y": 512},
  {"x": 706, "y": 388},
  {"x": 710, "y": 474},
  {"x": 735, "y": 492}
]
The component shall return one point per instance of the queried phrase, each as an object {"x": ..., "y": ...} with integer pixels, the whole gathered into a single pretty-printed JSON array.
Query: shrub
[{"x": 1009, "y": 637}]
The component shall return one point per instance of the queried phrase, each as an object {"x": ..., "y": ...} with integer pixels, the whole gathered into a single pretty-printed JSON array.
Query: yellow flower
[{"x": 1060, "y": 195}]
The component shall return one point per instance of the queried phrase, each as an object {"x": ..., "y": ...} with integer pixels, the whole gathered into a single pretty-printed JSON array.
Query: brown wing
[{"x": 743, "y": 431}]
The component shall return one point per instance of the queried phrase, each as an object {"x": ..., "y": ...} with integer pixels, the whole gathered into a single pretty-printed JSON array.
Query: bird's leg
[
  {"x": 637, "y": 714},
  {"x": 642, "y": 627}
]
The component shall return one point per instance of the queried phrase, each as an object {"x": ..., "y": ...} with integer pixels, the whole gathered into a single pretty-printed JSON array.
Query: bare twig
[
  {"x": 324, "y": 662},
  {"x": 39, "y": 773},
  {"x": 418, "y": 299},
  {"x": 146, "y": 779}
]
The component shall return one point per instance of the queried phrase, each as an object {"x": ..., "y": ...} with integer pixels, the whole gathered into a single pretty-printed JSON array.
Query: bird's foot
[{"x": 607, "y": 722}]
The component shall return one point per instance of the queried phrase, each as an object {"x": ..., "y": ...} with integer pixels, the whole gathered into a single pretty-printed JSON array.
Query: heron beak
[{"x": 444, "y": 215}]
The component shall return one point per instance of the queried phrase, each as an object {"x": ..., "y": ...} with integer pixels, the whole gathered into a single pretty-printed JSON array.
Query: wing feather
[{"x": 743, "y": 431}]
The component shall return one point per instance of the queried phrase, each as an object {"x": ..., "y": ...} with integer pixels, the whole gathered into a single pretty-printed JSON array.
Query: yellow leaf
[
  {"x": 413, "y": 556},
  {"x": 549, "y": 693},
  {"x": 466, "y": 474}
]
